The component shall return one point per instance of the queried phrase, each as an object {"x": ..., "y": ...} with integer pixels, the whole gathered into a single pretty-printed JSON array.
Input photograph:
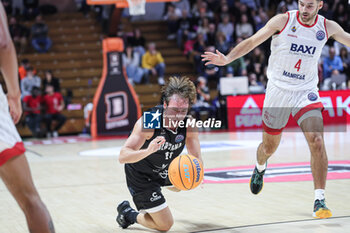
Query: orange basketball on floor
[{"x": 186, "y": 172}]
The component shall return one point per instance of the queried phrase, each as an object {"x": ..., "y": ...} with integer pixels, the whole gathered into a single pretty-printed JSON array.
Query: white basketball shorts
[
  {"x": 11, "y": 144},
  {"x": 280, "y": 103}
]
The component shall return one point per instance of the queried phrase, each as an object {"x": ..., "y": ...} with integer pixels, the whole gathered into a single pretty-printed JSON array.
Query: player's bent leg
[
  {"x": 313, "y": 130},
  {"x": 275, "y": 115},
  {"x": 16, "y": 175},
  {"x": 161, "y": 220},
  {"x": 158, "y": 218},
  {"x": 265, "y": 150}
]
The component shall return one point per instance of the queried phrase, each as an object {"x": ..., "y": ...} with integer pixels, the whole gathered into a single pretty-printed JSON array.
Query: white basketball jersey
[{"x": 295, "y": 52}]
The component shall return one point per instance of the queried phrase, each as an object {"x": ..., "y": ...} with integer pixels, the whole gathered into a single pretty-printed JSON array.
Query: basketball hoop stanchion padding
[{"x": 116, "y": 106}]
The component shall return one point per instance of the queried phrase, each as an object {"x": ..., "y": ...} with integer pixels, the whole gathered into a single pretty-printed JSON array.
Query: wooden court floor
[{"x": 82, "y": 183}]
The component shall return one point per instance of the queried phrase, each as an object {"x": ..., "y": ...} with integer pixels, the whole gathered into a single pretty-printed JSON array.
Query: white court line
[{"x": 206, "y": 146}]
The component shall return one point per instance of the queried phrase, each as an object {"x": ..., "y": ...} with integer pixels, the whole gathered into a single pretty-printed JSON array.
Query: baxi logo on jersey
[
  {"x": 151, "y": 120},
  {"x": 303, "y": 49},
  {"x": 320, "y": 35}
]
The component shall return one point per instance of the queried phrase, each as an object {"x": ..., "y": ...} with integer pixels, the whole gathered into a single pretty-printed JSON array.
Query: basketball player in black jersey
[{"x": 147, "y": 154}]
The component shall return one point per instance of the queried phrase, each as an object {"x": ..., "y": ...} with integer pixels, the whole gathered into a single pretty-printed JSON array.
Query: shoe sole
[
  {"x": 250, "y": 181},
  {"x": 322, "y": 213}
]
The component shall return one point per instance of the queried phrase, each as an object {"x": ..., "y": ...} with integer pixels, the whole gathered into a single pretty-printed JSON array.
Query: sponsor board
[{"x": 244, "y": 112}]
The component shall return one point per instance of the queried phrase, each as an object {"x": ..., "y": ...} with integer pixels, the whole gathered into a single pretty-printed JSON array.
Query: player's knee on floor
[
  {"x": 164, "y": 228},
  {"x": 165, "y": 225}
]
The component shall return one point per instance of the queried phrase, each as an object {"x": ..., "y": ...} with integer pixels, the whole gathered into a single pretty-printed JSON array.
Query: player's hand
[
  {"x": 15, "y": 107},
  {"x": 155, "y": 144},
  {"x": 217, "y": 58}
]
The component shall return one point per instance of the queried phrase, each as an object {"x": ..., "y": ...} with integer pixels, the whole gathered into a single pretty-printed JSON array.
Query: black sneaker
[
  {"x": 321, "y": 210},
  {"x": 123, "y": 210},
  {"x": 257, "y": 181}
]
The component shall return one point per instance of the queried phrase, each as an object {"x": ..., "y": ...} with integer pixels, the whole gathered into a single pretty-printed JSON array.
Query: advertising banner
[{"x": 244, "y": 112}]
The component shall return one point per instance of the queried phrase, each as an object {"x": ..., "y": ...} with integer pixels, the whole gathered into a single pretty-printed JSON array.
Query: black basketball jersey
[{"x": 155, "y": 166}]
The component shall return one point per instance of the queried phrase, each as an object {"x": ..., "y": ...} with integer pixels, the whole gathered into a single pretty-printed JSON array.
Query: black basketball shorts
[{"x": 147, "y": 197}]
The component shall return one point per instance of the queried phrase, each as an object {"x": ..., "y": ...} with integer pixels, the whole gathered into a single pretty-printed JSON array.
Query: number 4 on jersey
[{"x": 297, "y": 66}]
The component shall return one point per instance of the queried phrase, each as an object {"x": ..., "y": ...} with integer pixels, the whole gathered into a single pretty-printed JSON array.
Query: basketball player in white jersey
[
  {"x": 297, "y": 40},
  {"x": 14, "y": 169}
]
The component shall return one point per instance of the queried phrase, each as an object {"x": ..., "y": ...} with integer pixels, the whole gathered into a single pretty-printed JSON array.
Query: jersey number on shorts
[
  {"x": 297, "y": 66},
  {"x": 168, "y": 155}
]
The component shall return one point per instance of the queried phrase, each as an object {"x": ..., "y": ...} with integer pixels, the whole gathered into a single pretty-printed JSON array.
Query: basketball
[{"x": 186, "y": 172}]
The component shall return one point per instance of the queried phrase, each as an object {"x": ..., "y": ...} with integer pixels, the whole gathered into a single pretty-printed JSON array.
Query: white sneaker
[
  {"x": 161, "y": 81},
  {"x": 55, "y": 134}
]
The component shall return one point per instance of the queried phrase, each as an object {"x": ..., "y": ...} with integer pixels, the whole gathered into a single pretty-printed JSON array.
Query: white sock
[
  {"x": 260, "y": 167},
  {"x": 319, "y": 194}
]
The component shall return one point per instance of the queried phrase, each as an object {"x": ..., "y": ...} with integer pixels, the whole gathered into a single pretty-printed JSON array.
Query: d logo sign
[{"x": 116, "y": 107}]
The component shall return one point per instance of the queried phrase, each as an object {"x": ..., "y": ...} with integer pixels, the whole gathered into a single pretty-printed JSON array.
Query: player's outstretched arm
[
  {"x": 192, "y": 143},
  {"x": 131, "y": 153},
  {"x": 338, "y": 33},
  {"x": 9, "y": 68},
  {"x": 274, "y": 25}
]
